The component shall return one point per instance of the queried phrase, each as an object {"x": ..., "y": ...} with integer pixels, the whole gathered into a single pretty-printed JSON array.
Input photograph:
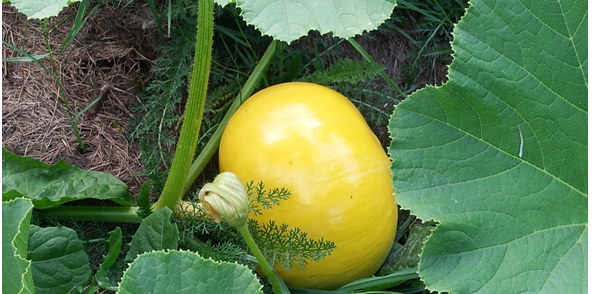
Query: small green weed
[
  {"x": 46, "y": 28},
  {"x": 428, "y": 25}
]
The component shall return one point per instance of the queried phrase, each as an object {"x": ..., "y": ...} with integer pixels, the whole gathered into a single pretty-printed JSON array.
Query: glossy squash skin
[{"x": 313, "y": 141}]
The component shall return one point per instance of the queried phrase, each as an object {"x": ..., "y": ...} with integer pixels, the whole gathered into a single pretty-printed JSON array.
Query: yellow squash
[{"x": 313, "y": 141}]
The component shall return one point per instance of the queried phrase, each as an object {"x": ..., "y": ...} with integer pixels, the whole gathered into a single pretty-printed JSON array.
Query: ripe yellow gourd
[{"x": 313, "y": 141}]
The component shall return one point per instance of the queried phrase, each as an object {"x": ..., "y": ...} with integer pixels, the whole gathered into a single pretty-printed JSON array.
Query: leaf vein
[{"x": 503, "y": 151}]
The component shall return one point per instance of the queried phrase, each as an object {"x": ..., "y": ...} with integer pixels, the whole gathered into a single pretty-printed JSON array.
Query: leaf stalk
[{"x": 186, "y": 146}]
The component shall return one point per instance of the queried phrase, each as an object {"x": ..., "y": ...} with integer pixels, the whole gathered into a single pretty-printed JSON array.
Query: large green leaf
[
  {"x": 51, "y": 185},
  {"x": 289, "y": 20},
  {"x": 186, "y": 272},
  {"x": 498, "y": 155},
  {"x": 16, "y": 269},
  {"x": 41, "y": 9},
  {"x": 156, "y": 232},
  {"x": 60, "y": 263}
]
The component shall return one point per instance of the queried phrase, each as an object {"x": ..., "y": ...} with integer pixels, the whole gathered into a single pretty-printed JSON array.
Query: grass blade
[
  {"x": 370, "y": 60},
  {"x": 79, "y": 21},
  {"x": 26, "y": 58},
  {"x": 153, "y": 8},
  {"x": 383, "y": 282}
]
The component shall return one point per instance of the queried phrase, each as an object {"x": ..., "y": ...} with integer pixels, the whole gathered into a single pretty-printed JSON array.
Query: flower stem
[{"x": 276, "y": 286}]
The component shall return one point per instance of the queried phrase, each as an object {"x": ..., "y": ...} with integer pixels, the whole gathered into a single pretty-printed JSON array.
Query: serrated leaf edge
[
  {"x": 12, "y": 242},
  {"x": 309, "y": 29},
  {"x": 37, "y": 17},
  {"x": 470, "y": 4},
  {"x": 437, "y": 224},
  {"x": 166, "y": 252}
]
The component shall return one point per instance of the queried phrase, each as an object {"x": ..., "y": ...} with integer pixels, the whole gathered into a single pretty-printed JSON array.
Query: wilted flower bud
[{"x": 226, "y": 199}]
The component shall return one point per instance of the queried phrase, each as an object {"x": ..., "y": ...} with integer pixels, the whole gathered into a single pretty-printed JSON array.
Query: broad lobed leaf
[
  {"x": 40, "y": 9},
  {"x": 59, "y": 261},
  {"x": 289, "y": 20},
  {"x": 156, "y": 232},
  {"x": 498, "y": 155},
  {"x": 16, "y": 269},
  {"x": 186, "y": 272},
  {"x": 51, "y": 185}
]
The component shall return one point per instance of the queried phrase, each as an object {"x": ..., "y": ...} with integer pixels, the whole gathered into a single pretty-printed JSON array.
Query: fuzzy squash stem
[{"x": 186, "y": 145}]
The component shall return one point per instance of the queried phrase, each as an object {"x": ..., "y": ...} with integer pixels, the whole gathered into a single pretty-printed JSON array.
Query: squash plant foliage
[
  {"x": 498, "y": 155},
  {"x": 138, "y": 278}
]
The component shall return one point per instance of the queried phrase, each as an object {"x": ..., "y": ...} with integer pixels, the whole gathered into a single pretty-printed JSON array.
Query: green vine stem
[
  {"x": 182, "y": 160},
  {"x": 246, "y": 91},
  {"x": 276, "y": 285},
  {"x": 91, "y": 213},
  {"x": 369, "y": 59}
]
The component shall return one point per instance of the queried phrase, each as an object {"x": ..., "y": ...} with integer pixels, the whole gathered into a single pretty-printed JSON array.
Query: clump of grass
[{"x": 428, "y": 24}]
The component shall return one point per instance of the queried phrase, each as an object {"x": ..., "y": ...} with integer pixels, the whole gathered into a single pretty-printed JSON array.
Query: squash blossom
[{"x": 226, "y": 199}]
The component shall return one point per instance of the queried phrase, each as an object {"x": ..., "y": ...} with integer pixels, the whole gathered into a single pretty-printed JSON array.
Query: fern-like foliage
[
  {"x": 143, "y": 200},
  {"x": 158, "y": 113},
  {"x": 227, "y": 251},
  {"x": 288, "y": 246},
  {"x": 279, "y": 243},
  {"x": 265, "y": 199},
  {"x": 345, "y": 70}
]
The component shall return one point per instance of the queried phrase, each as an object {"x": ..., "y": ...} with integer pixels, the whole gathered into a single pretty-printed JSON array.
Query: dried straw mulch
[{"x": 112, "y": 49}]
